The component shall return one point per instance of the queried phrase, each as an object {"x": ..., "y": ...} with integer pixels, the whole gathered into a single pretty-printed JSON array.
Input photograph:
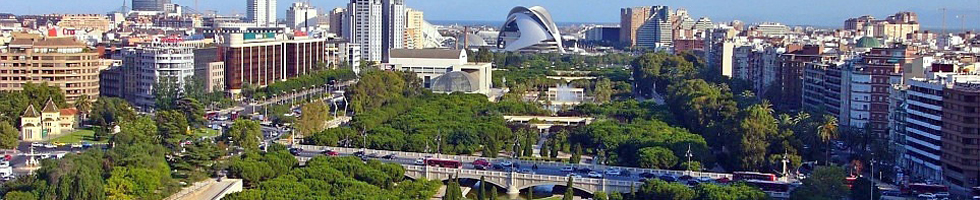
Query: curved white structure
[{"x": 530, "y": 30}]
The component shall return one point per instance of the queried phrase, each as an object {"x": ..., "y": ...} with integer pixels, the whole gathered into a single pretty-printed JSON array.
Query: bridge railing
[
  {"x": 469, "y": 159},
  {"x": 538, "y": 177}
]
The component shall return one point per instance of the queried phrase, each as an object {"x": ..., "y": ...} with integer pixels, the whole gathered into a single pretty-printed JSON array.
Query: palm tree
[
  {"x": 83, "y": 104},
  {"x": 827, "y": 132}
]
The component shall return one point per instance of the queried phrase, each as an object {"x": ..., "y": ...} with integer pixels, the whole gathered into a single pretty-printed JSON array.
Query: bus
[
  {"x": 850, "y": 181},
  {"x": 443, "y": 163},
  {"x": 922, "y": 188},
  {"x": 742, "y": 176}
]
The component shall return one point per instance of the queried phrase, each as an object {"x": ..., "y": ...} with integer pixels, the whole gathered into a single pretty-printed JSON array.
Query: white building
[
  {"x": 924, "y": 128},
  {"x": 376, "y": 25},
  {"x": 262, "y": 12},
  {"x": 151, "y": 63},
  {"x": 301, "y": 16},
  {"x": 443, "y": 70}
]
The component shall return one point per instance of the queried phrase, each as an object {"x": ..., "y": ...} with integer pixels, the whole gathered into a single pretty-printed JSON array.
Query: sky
[{"x": 824, "y": 13}]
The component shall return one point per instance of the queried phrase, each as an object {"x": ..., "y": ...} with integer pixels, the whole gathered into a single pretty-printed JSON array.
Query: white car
[
  {"x": 50, "y": 146},
  {"x": 942, "y": 194},
  {"x": 567, "y": 169},
  {"x": 37, "y": 144},
  {"x": 419, "y": 161},
  {"x": 506, "y": 163},
  {"x": 594, "y": 174},
  {"x": 927, "y": 196},
  {"x": 613, "y": 171},
  {"x": 76, "y": 145},
  {"x": 573, "y": 175}
]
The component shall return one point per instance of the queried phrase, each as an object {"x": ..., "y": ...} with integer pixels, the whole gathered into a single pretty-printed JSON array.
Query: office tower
[
  {"x": 924, "y": 121},
  {"x": 657, "y": 31},
  {"x": 869, "y": 82},
  {"x": 261, "y": 12},
  {"x": 259, "y": 59},
  {"x": 148, "y": 64},
  {"x": 336, "y": 20},
  {"x": 413, "y": 30},
  {"x": 61, "y": 62},
  {"x": 630, "y": 21},
  {"x": 150, "y": 5},
  {"x": 301, "y": 16},
  {"x": 377, "y": 26}
]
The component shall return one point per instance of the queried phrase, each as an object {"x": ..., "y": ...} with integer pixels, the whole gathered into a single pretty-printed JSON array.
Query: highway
[{"x": 543, "y": 168}]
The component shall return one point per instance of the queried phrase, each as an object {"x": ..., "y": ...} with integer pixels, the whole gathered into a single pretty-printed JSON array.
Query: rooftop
[{"x": 427, "y": 53}]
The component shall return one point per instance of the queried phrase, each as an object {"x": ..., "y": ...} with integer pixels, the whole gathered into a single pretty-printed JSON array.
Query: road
[
  {"x": 289, "y": 98},
  {"x": 553, "y": 170}
]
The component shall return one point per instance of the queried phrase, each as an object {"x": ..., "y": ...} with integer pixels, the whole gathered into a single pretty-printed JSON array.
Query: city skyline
[{"x": 822, "y": 14}]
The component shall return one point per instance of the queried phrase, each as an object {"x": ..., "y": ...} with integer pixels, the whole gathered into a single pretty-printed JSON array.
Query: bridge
[{"x": 547, "y": 173}]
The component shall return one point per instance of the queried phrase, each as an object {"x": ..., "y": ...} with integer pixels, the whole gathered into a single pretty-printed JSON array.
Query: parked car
[{"x": 595, "y": 174}]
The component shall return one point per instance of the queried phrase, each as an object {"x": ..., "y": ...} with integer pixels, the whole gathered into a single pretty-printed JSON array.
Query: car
[
  {"x": 419, "y": 161},
  {"x": 330, "y": 153},
  {"x": 506, "y": 163},
  {"x": 692, "y": 182},
  {"x": 648, "y": 175},
  {"x": 525, "y": 171},
  {"x": 584, "y": 170},
  {"x": 76, "y": 145},
  {"x": 595, "y": 174},
  {"x": 359, "y": 154},
  {"x": 8, "y": 157},
  {"x": 86, "y": 145},
  {"x": 668, "y": 178},
  {"x": 295, "y": 151},
  {"x": 373, "y": 155},
  {"x": 482, "y": 164},
  {"x": 50, "y": 146},
  {"x": 58, "y": 143},
  {"x": 927, "y": 196},
  {"x": 573, "y": 175},
  {"x": 942, "y": 194},
  {"x": 567, "y": 169},
  {"x": 705, "y": 179},
  {"x": 37, "y": 144},
  {"x": 893, "y": 193},
  {"x": 613, "y": 171},
  {"x": 686, "y": 178},
  {"x": 389, "y": 156}
]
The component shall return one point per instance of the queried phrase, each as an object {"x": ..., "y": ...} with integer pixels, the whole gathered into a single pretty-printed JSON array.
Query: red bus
[
  {"x": 769, "y": 186},
  {"x": 742, "y": 176},
  {"x": 922, "y": 188},
  {"x": 481, "y": 164},
  {"x": 443, "y": 163},
  {"x": 850, "y": 181}
]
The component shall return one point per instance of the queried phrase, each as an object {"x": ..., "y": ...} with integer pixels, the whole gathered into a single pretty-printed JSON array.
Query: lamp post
[
  {"x": 689, "y": 155},
  {"x": 872, "y": 180}
]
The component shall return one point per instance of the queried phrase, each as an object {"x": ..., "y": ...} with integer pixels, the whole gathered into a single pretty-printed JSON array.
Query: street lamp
[{"x": 689, "y": 155}]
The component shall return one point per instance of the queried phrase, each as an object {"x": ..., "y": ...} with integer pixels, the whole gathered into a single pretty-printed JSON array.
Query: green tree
[
  {"x": 603, "y": 91},
  {"x": 576, "y": 154},
  {"x": 659, "y": 189},
  {"x": 600, "y": 195},
  {"x": 493, "y": 193},
  {"x": 193, "y": 110},
  {"x": 569, "y": 190},
  {"x": 828, "y": 131},
  {"x": 20, "y": 195},
  {"x": 729, "y": 192},
  {"x": 756, "y": 126},
  {"x": 481, "y": 192},
  {"x": 693, "y": 166},
  {"x": 657, "y": 158},
  {"x": 825, "y": 183},
  {"x": 84, "y": 105},
  {"x": 172, "y": 128},
  {"x": 314, "y": 118},
  {"x": 245, "y": 133},
  {"x": 9, "y": 136}
]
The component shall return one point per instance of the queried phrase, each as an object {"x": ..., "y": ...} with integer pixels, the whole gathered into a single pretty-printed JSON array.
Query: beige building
[
  {"x": 897, "y": 31},
  {"x": 49, "y": 123},
  {"x": 62, "y": 62},
  {"x": 95, "y": 22},
  {"x": 443, "y": 70},
  {"x": 413, "y": 29}
]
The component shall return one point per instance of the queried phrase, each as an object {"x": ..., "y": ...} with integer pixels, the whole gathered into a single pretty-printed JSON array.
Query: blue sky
[{"x": 795, "y": 12}]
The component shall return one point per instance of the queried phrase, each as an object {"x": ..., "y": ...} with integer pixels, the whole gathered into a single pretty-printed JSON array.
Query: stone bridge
[{"x": 515, "y": 182}]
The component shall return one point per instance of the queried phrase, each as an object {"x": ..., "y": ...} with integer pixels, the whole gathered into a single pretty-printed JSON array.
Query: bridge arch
[
  {"x": 562, "y": 184},
  {"x": 500, "y": 183}
]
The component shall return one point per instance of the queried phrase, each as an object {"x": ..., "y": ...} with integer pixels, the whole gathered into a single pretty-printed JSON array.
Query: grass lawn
[
  {"x": 78, "y": 136},
  {"x": 206, "y": 132}
]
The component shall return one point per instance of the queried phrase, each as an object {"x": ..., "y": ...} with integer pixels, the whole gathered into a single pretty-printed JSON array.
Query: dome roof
[
  {"x": 868, "y": 42},
  {"x": 454, "y": 82}
]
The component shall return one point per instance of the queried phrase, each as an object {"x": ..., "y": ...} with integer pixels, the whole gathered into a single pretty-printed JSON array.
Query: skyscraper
[
  {"x": 630, "y": 20},
  {"x": 376, "y": 25},
  {"x": 413, "y": 29},
  {"x": 150, "y": 5},
  {"x": 262, "y": 12},
  {"x": 301, "y": 16},
  {"x": 336, "y": 17},
  {"x": 657, "y": 31}
]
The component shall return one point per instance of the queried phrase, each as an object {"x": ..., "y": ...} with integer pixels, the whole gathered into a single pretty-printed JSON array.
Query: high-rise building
[
  {"x": 149, "y": 64},
  {"x": 301, "y": 16},
  {"x": 259, "y": 59},
  {"x": 62, "y": 62},
  {"x": 336, "y": 19},
  {"x": 923, "y": 128},
  {"x": 630, "y": 20},
  {"x": 377, "y": 26},
  {"x": 414, "y": 19},
  {"x": 869, "y": 81},
  {"x": 261, "y": 12},
  {"x": 657, "y": 31},
  {"x": 961, "y": 133},
  {"x": 150, "y": 5}
]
